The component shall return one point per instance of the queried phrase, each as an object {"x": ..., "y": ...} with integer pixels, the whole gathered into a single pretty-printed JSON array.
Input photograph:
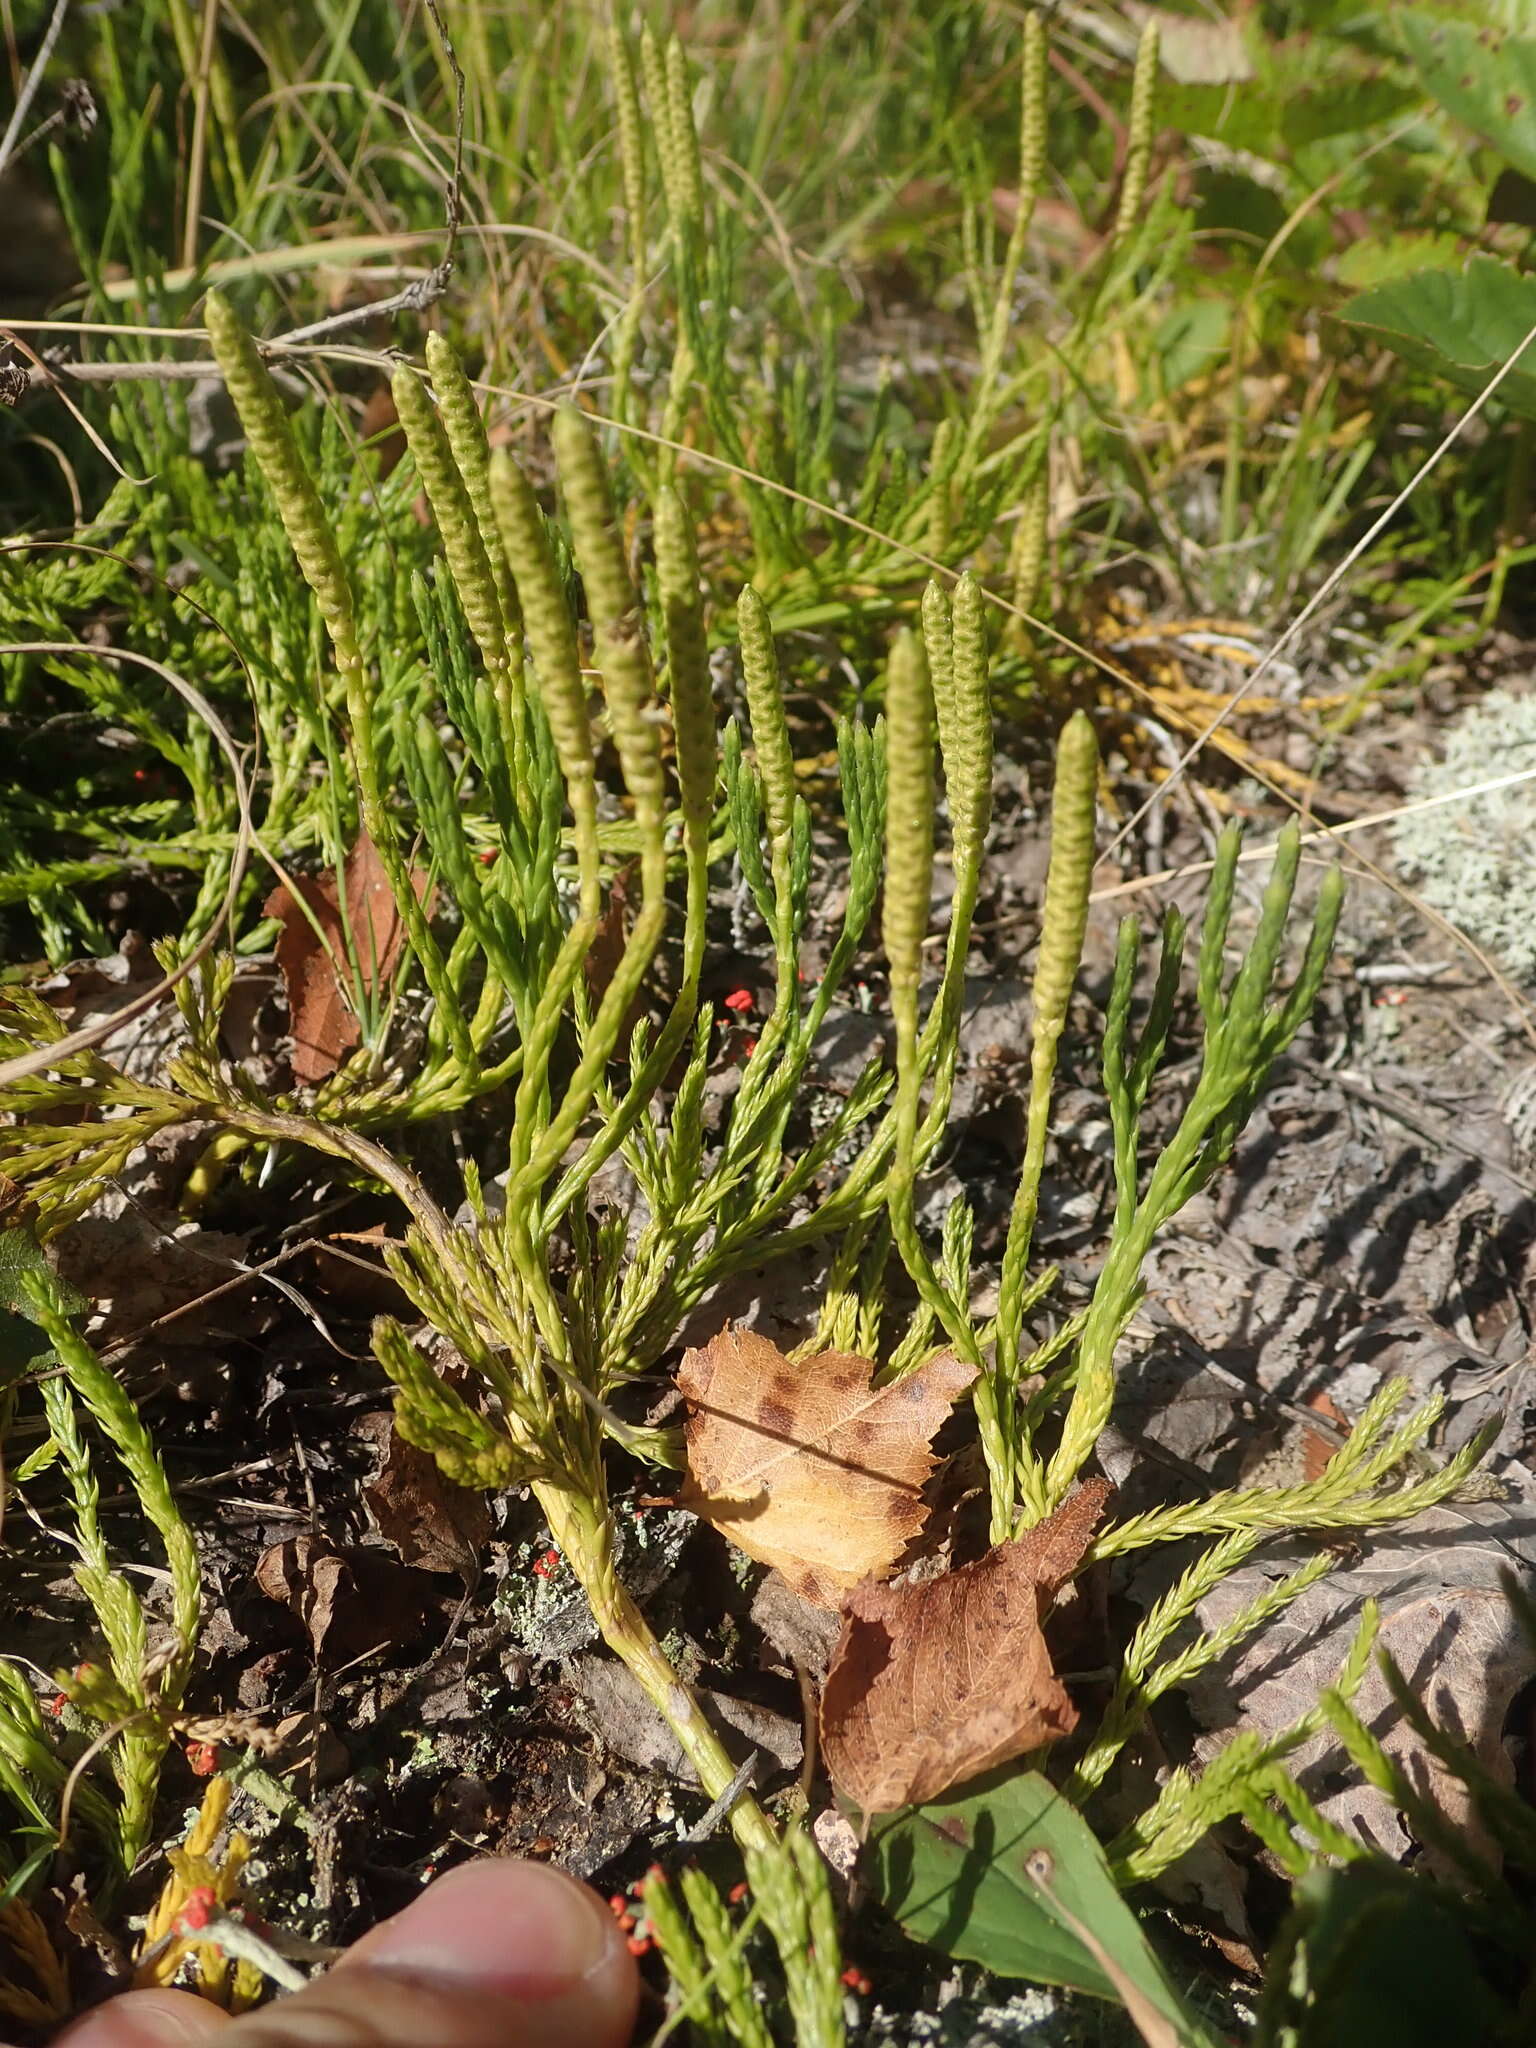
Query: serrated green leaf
[
  {"x": 1483, "y": 76},
  {"x": 1276, "y": 115},
  {"x": 1464, "y": 325},
  {"x": 1347, "y": 108},
  {"x": 1245, "y": 116},
  {"x": 1364, "y": 264},
  {"x": 954, "y": 1874}
]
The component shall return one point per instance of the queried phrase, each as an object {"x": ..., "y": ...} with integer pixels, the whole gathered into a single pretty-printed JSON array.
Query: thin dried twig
[
  {"x": 1330, "y": 584},
  {"x": 416, "y": 296},
  {"x": 31, "y": 82},
  {"x": 9, "y": 395},
  {"x": 741, "y": 1783},
  {"x": 1321, "y": 833}
]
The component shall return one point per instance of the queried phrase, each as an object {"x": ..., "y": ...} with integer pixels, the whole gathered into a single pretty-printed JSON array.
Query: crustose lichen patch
[{"x": 1473, "y": 860}]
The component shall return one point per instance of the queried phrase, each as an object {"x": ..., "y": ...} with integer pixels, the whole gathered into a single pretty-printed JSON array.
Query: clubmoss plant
[
  {"x": 556, "y": 1305},
  {"x": 828, "y": 494},
  {"x": 1246, "y": 1029},
  {"x": 314, "y": 542},
  {"x": 1068, "y": 879},
  {"x": 132, "y": 1700}
]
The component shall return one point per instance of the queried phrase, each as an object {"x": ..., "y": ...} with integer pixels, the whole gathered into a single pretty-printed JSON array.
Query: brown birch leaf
[
  {"x": 322, "y": 1023},
  {"x": 933, "y": 1684},
  {"x": 433, "y": 1524},
  {"x": 809, "y": 1467}
]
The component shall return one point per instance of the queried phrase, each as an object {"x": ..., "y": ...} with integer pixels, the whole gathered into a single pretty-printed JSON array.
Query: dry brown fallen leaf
[
  {"x": 932, "y": 1684},
  {"x": 321, "y": 1020},
  {"x": 433, "y": 1524},
  {"x": 1318, "y": 1451},
  {"x": 809, "y": 1467},
  {"x": 353, "y": 1602}
]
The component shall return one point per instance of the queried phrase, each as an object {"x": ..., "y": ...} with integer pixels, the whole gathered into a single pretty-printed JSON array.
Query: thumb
[{"x": 493, "y": 1955}]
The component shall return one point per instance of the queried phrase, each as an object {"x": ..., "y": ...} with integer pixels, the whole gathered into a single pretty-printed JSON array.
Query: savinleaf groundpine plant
[{"x": 556, "y": 1301}]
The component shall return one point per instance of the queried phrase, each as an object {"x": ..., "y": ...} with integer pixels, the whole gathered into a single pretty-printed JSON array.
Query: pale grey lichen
[
  {"x": 1474, "y": 860},
  {"x": 1036, "y": 2018}
]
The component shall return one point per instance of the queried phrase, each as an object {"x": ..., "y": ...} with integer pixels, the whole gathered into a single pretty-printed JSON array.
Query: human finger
[
  {"x": 493, "y": 1955},
  {"x": 148, "y": 2019}
]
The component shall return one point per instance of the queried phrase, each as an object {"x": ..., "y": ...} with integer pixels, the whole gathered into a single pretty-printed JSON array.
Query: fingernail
[{"x": 521, "y": 1926}]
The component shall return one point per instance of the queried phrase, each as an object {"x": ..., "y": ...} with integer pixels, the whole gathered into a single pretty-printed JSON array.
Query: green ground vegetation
[{"x": 525, "y": 440}]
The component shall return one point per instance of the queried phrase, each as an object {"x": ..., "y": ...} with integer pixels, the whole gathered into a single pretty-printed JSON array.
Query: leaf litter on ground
[
  {"x": 353, "y": 1602},
  {"x": 934, "y": 1683},
  {"x": 1447, "y": 1623},
  {"x": 810, "y": 1466},
  {"x": 430, "y": 1522},
  {"x": 327, "y": 929}
]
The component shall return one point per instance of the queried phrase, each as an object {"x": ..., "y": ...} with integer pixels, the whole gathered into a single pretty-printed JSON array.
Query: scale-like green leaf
[
  {"x": 1482, "y": 75},
  {"x": 1463, "y": 324},
  {"x": 957, "y": 1874},
  {"x": 1375, "y": 1958}
]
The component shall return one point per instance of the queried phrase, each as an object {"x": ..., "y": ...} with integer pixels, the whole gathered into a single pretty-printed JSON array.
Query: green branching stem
[
  {"x": 119, "y": 1421},
  {"x": 734, "y": 1979},
  {"x": 1246, "y": 1029},
  {"x": 908, "y": 894},
  {"x": 143, "y": 1739},
  {"x": 314, "y": 542},
  {"x": 1142, "y": 1681},
  {"x": 1032, "y": 139},
  {"x": 1064, "y": 920},
  {"x": 697, "y": 758},
  {"x": 581, "y": 1525},
  {"x": 1381, "y": 1770},
  {"x": 1189, "y": 1806},
  {"x": 1315, "y": 1506}
]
